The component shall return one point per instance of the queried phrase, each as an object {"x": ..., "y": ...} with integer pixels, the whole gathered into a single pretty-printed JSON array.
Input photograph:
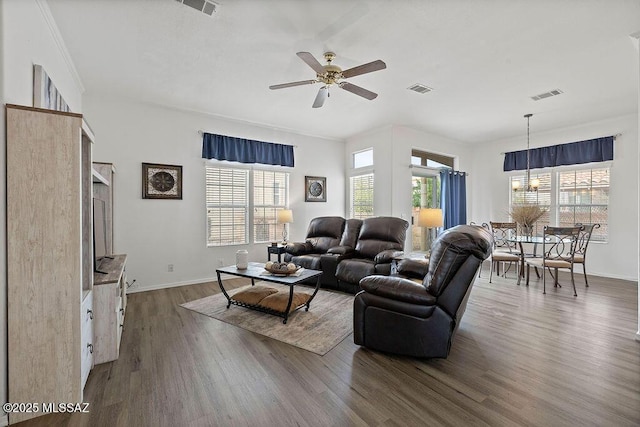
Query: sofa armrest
[
  {"x": 387, "y": 256},
  {"x": 397, "y": 288},
  {"x": 341, "y": 250},
  {"x": 299, "y": 248}
]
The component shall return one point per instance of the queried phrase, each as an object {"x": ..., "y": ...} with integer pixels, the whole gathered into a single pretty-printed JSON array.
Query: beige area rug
[{"x": 328, "y": 321}]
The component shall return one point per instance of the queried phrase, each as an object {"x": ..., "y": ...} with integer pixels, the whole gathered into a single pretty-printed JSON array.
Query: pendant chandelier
[{"x": 531, "y": 185}]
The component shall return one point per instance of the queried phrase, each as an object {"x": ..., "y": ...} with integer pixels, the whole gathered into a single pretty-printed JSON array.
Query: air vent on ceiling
[
  {"x": 204, "y": 6},
  {"x": 547, "y": 94},
  {"x": 420, "y": 88}
]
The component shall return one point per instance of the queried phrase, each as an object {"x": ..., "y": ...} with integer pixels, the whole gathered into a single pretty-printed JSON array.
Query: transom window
[
  {"x": 231, "y": 207},
  {"x": 363, "y": 158}
]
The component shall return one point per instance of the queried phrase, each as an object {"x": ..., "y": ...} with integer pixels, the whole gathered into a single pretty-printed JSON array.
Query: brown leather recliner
[
  {"x": 397, "y": 315},
  {"x": 379, "y": 241}
]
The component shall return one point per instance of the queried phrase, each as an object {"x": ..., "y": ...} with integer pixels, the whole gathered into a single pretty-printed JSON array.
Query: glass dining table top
[{"x": 532, "y": 239}]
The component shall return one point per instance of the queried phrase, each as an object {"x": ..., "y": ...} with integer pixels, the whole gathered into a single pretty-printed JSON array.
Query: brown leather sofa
[
  {"x": 381, "y": 239},
  {"x": 398, "y": 315},
  {"x": 367, "y": 246}
]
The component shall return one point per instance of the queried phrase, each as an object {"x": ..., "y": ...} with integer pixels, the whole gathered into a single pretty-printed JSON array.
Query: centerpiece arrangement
[
  {"x": 281, "y": 268},
  {"x": 526, "y": 215}
]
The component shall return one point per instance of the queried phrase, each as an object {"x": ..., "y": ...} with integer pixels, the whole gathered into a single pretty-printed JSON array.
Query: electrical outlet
[
  {"x": 170, "y": 268},
  {"x": 220, "y": 262}
]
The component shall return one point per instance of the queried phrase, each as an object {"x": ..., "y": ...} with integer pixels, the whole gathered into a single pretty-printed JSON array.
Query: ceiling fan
[{"x": 332, "y": 74}]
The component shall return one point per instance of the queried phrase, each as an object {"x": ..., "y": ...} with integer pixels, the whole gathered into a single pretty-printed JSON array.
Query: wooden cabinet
[
  {"x": 110, "y": 301},
  {"x": 49, "y": 253}
]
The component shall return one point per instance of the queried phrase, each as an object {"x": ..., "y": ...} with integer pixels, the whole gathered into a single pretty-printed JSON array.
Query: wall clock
[
  {"x": 315, "y": 189},
  {"x": 161, "y": 181}
]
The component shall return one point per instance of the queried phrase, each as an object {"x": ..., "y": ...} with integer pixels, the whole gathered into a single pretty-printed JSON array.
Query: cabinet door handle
[
  {"x": 90, "y": 313},
  {"x": 90, "y": 346}
]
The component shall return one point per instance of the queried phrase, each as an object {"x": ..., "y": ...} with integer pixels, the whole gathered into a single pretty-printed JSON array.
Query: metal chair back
[
  {"x": 560, "y": 243},
  {"x": 502, "y": 232}
]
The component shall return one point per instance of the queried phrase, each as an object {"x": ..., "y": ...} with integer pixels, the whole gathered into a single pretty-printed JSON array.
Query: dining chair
[
  {"x": 558, "y": 251},
  {"x": 504, "y": 250},
  {"x": 581, "y": 247}
]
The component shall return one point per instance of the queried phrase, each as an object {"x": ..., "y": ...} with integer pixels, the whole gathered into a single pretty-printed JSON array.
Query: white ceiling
[{"x": 484, "y": 59}]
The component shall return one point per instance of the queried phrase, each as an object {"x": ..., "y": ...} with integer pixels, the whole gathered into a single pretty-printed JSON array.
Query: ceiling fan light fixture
[{"x": 330, "y": 74}]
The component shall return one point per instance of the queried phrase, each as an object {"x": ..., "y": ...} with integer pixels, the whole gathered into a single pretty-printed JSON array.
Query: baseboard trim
[
  {"x": 4, "y": 420},
  {"x": 139, "y": 288}
]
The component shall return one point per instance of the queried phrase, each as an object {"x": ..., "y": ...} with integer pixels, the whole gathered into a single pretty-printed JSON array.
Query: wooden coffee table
[{"x": 256, "y": 271}]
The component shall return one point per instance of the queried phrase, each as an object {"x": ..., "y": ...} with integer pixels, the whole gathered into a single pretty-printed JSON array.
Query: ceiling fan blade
[
  {"x": 364, "y": 68},
  {"x": 358, "y": 90},
  {"x": 300, "y": 83},
  {"x": 323, "y": 93},
  {"x": 311, "y": 62}
]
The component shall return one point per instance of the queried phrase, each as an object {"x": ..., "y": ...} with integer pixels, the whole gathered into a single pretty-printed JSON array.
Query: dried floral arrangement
[{"x": 527, "y": 213}]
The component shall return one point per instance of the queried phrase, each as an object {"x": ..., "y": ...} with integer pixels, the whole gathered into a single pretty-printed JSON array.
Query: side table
[{"x": 276, "y": 250}]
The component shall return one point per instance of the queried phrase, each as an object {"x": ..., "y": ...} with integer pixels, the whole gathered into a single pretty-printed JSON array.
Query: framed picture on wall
[
  {"x": 45, "y": 93},
  {"x": 315, "y": 189},
  {"x": 161, "y": 181}
]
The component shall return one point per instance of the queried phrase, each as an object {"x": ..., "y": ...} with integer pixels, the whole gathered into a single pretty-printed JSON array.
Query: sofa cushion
[
  {"x": 351, "y": 232},
  {"x": 310, "y": 261},
  {"x": 352, "y": 270},
  {"x": 379, "y": 234},
  {"x": 325, "y": 232}
]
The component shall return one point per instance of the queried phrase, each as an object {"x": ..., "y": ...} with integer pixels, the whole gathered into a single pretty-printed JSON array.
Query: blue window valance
[
  {"x": 222, "y": 147},
  {"x": 573, "y": 153}
]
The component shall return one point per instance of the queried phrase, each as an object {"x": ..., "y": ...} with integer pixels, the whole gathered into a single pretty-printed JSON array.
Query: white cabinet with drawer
[{"x": 108, "y": 291}]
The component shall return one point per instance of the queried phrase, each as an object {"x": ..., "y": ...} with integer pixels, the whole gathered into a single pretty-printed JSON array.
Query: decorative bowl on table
[{"x": 281, "y": 268}]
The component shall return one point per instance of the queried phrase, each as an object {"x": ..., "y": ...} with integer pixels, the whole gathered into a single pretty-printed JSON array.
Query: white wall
[
  {"x": 618, "y": 257},
  {"x": 155, "y": 233},
  {"x": 29, "y": 36},
  {"x": 392, "y": 147}
]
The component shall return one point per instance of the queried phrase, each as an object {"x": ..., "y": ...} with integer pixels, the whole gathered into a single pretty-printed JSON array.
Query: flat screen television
[{"x": 99, "y": 234}]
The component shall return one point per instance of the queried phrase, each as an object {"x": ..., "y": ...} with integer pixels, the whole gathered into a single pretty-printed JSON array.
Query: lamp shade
[
  {"x": 285, "y": 216},
  {"x": 429, "y": 217}
]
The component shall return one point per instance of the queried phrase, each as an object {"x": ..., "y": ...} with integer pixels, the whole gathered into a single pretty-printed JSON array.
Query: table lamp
[
  {"x": 284, "y": 217},
  {"x": 430, "y": 218}
]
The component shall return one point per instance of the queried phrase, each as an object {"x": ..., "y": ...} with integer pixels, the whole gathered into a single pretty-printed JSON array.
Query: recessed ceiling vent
[
  {"x": 547, "y": 94},
  {"x": 204, "y": 6},
  {"x": 420, "y": 88}
]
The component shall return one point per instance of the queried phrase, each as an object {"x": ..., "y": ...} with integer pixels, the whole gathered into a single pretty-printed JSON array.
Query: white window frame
[
  {"x": 249, "y": 221},
  {"x": 360, "y": 173}
]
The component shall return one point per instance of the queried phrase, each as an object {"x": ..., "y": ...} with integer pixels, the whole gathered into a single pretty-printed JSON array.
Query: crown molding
[{"x": 59, "y": 41}]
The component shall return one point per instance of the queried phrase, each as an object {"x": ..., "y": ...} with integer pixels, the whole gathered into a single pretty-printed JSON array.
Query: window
[
  {"x": 270, "y": 189},
  {"x": 361, "y": 196},
  {"x": 424, "y": 158},
  {"x": 231, "y": 207},
  {"x": 584, "y": 198},
  {"x": 227, "y": 203},
  {"x": 572, "y": 196},
  {"x": 363, "y": 158}
]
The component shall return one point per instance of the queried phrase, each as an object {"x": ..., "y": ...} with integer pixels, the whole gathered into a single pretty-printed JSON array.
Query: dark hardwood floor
[{"x": 520, "y": 358}]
